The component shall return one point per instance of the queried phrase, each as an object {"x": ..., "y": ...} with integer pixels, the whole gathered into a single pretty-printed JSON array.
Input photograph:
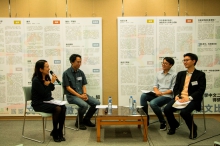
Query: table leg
[
  {"x": 145, "y": 129},
  {"x": 139, "y": 126},
  {"x": 98, "y": 127}
]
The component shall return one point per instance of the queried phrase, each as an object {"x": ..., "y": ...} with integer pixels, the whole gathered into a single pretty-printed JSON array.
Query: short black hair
[
  {"x": 170, "y": 60},
  {"x": 192, "y": 57},
  {"x": 73, "y": 57}
]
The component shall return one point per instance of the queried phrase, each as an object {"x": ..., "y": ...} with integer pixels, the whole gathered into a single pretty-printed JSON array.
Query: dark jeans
[
  {"x": 83, "y": 106},
  {"x": 156, "y": 103},
  {"x": 185, "y": 113}
]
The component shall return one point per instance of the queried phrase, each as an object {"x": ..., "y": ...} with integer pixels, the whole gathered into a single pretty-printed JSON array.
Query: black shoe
[
  {"x": 177, "y": 126},
  {"x": 51, "y": 133},
  {"x": 62, "y": 138},
  {"x": 171, "y": 131},
  {"x": 81, "y": 126},
  {"x": 163, "y": 126},
  {"x": 194, "y": 133},
  {"x": 88, "y": 123},
  {"x": 54, "y": 134},
  {"x": 60, "y": 134}
]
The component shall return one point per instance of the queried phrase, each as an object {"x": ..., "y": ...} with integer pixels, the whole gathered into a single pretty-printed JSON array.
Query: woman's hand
[
  {"x": 53, "y": 79},
  {"x": 46, "y": 83}
]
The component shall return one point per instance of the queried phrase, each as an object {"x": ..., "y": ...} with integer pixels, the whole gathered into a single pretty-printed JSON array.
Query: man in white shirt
[{"x": 163, "y": 88}]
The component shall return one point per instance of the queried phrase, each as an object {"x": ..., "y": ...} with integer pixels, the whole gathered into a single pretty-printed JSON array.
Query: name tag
[
  {"x": 79, "y": 78},
  {"x": 194, "y": 83}
]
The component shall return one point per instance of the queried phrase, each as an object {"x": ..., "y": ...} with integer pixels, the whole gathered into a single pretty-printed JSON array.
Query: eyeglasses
[
  {"x": 164, "y": 63},
  {"x": 186, "y": 60}
]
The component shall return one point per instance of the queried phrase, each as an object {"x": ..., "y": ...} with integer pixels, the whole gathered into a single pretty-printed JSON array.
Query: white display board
[
  {"x": 23, "y": 41},
  {"x": 143, "y": 42},
  {"x": 136, "y": 56}
]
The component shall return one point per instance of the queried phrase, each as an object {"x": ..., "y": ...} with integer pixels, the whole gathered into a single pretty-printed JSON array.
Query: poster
[
  {"x": 27, "y": 40},
  {"x": 136, "y": 57},
  {"x": 143, "y": 42}
]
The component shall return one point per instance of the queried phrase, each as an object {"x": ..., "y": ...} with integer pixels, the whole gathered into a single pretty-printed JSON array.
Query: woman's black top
[{"x": 40, "y": 92}]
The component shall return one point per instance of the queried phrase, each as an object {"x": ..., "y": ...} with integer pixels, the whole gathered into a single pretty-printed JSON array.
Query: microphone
[{"x": 58, "y": 81}]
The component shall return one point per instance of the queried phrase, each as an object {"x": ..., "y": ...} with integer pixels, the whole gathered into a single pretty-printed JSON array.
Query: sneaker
[
  {"x": 88, "y": 123},
  {"x": 81, "y": 126},
  {"x": 163, "y": 126}
]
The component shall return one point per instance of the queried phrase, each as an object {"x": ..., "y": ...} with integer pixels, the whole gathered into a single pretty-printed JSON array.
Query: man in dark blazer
[{"x": 190, "y": 86}]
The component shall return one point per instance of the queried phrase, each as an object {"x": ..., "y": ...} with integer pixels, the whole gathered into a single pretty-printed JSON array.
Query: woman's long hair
[{"x": 40, "y": 64}]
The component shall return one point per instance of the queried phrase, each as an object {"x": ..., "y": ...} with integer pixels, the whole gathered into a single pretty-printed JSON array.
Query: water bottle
[
  {"x": 110, "y": 105},
  {"x": 109, "y": 99},
  {"x": 134, "y": 107},
  {"x": 130, "y": 102}
]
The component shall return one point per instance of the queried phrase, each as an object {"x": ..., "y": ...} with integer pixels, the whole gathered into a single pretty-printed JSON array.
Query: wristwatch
[{"x": 190, "y": 98}]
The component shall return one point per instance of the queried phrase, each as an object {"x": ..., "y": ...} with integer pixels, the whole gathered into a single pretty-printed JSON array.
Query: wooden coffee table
[{"x": 121, "y": 116}]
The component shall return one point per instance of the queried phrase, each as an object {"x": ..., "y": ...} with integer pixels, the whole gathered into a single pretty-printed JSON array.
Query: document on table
[
  {"x": 57, "y": 102},
  {"x": 148, "y": 92},
  {"x": 138, "y": 106},
  {"x": 105, "y": 106},
  {"x": 180, "y": 105}
]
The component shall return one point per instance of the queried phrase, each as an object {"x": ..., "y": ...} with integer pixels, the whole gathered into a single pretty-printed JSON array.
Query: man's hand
[
  {"x": 158, "y": 93},
  {"x": 185, "y": 99},
  {"x": 84, "y": 97},
  {"x": 177, "y": 98}
]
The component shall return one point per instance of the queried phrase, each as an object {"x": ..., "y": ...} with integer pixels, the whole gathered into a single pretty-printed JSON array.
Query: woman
[{"x": 42, "y": 86}]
